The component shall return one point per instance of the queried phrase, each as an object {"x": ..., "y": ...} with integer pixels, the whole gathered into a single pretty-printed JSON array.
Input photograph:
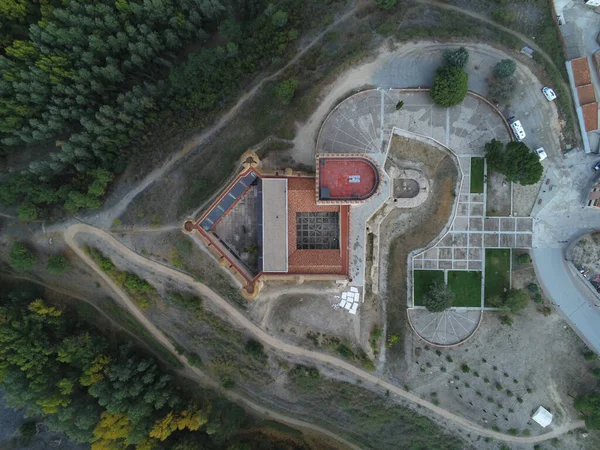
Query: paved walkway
[{"x": 364, "y": 122}]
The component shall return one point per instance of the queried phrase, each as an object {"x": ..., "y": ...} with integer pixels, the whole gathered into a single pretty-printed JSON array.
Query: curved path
[
  {"x": 118, "y": 209},
  {"x": 466, "y": 425}
]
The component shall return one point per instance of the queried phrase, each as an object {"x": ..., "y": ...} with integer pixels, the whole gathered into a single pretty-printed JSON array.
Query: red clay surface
[
  {"x": 335, "y": 174},
  {"x": 581, "y": 71},
  {"x": 301, "y": 198}
]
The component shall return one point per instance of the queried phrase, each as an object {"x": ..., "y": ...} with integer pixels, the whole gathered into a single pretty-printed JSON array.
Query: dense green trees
[
  {"x": 517, "y": 162},
  {"x": 449, "y": 86},
  {"x": 103, "y": 392},
  {"x": 385, "y": 4},
  {"x": 86, "y": 80},
  {"x": 589, "y": 405},
  {"x": 438, "y": 298}
]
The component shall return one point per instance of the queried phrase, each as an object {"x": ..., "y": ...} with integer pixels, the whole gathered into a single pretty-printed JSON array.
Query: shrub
[
  {"x": 505, "y": 68},
  {"x": 279, "y": 19},
  {"x": 465, "y": 368},
  {"x": 21, "y": 258},
  {"x": 506, "y": 320},
  {"x": 399, "y": 105},
  {"x": 27, "y": 211},
  {"x": 285, "y": 91},
  {"x": 590, "y": 355},
  {"x": 27, "y": 430},
  {"x": 457, "y": 58},
  {"x": 502, "y": 89},
  {"x": 57, "y": 264},
  {"x": 385, "y": 4},
  {"x": 449, "y": 86},
  {"x": 255, "y": 349},
  {"x": 516, "y": 300},
  {"x": 227, "y": 382},
  {"x": 533, "y": 288},
  {"x": 498, "y": 386},
  {"x": 439, "y": 297},
  {"x": 524, "y": 258}
]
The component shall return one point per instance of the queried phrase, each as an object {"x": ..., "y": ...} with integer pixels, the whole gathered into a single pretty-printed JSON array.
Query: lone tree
[
  {"x": 439, "y": 297},
  {"x": 521, "y": 165},
  {"x": 516, "y": 300},
  {"x": 517, "y": 162},
  {"x": 502, "y": 89},
  {"x": 285, "y": 91},
  {"x": 57, "y": 264},
  {"x": 505, "y": 68},
  {"x": 20, "y": 257},
  {"x": 449, "y": 86},
  {"x": 457, "y": 58}
]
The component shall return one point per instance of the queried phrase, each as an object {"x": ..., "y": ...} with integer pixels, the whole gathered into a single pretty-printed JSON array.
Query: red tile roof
[
  {"x": 586, "y": 94},
  {"x": 590, "y": 116},
  {"x": 581, "y": 71},
  {"x": 301, "y": 198}
]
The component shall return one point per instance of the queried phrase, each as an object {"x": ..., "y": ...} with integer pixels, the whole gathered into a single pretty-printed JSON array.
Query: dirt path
[
  {"x": 105, "y": 218},
  {"x": 273, "y": 342},
  {"x": 531, "y": 43},
  {"x": 190, "y": 371}
]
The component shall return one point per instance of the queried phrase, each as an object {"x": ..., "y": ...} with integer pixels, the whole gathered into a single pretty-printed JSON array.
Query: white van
[{"x": 518, "y": 130}]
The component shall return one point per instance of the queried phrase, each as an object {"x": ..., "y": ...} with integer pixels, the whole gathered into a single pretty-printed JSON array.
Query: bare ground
[
  {"x": 498, "y": 195},
  {"x": 405, "y": 230}
]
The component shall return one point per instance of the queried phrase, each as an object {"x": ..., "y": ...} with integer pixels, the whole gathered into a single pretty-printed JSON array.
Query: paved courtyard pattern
[{"x": 364, "y": 123}]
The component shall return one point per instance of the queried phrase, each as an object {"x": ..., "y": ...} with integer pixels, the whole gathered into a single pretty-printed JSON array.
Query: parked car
[
  {"x": 548, "y": 93},
  {"x": 518, "y": 130},
  {"x": 597, "y": 167},
  {"x": 541, "y": 153}
]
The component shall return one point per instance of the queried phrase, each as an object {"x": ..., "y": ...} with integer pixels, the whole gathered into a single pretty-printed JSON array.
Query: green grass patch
[
  {"x": 423, "y": 279},
  {"x": 497, "y": 272},
  {"x": 466, "y": 287},
  {"x": 477, "y": 175}
]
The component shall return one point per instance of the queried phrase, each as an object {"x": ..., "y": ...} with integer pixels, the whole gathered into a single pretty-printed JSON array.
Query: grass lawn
[
  {"x": 497, "y": 271},
  {"x": 423, "y": 280},
  {"x": 466, "y": 287},
  {"x": 477, "y": 167}
]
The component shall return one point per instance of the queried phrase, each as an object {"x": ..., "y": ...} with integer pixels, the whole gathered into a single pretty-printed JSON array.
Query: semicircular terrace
[{"x": 364, "y": 124}]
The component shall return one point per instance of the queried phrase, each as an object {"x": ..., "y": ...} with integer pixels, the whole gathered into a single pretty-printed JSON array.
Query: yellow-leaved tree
[
  {"x": 96, "y": 372},
  {"x": 192, "y": 419},
  {"x": 111, "y": 432}
]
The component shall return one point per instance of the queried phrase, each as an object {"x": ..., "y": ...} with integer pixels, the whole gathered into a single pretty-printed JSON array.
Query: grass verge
[
  {"x": 476, "y": 176},
  {"x": 497, "y": 272},
  {"x": 423, "y": 280},
  {"x": 466, "y": 287}
]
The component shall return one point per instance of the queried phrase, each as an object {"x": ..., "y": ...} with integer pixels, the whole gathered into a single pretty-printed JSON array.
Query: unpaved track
[
  {"x": 190, "y": 371},
  {"x": 273, "y": 342},
  {"x": 117, "y": 210}
]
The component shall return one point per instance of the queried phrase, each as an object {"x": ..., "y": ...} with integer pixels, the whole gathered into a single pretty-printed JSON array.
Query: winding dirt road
[
  {"x": 118, "y": 209},
  {"x": 270, "y": 341}
]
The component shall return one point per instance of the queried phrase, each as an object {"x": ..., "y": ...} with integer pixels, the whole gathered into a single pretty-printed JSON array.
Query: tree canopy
[
  {"x": 89, "y": 81},
  {"x": 449, "y": 86},
  {"x": 517, "y": 162},
  {"x": 21, "y": 258},
  {"x": 438, "y": 298},
  {"x": 385, "y": 4},
  {"x": 285, "y": 91},
  {"x": 103, "y": 391},
  {"x": 457, "y": 58},
  {"x": 504, "y": 68}
]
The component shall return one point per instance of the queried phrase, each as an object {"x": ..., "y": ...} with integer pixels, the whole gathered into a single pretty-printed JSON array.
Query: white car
[
  {"x": 541, "y": 153},
  {"x": 548, "y": 93}
]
